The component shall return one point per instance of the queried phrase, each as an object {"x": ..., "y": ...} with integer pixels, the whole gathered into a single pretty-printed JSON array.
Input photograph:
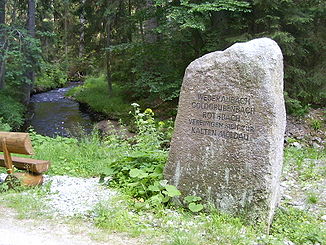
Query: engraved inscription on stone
[{"x": 220, "y": 116}]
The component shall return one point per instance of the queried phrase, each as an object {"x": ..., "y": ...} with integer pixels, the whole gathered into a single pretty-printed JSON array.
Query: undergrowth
[{"x": 50, "y": 76}]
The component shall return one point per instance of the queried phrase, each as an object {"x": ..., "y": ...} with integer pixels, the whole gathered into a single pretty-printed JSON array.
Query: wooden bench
[{"x": 20, "y": 143}]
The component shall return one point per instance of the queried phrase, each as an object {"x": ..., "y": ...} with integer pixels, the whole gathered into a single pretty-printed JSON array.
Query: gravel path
[{"x": 38, "y": 232}]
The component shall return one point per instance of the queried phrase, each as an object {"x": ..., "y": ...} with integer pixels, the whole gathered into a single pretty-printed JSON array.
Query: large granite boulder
[{"x": 227, "y": 145}]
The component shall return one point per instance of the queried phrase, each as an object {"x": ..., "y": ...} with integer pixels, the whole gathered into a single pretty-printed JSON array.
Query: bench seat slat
[{"x": 32, "y": 165}]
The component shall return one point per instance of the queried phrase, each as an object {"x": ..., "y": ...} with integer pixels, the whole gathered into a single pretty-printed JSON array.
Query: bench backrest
[{"x": 16, "y": 143}]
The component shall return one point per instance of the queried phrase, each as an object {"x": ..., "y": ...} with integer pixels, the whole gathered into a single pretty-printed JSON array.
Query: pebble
[{"x": 296, "y": 145}]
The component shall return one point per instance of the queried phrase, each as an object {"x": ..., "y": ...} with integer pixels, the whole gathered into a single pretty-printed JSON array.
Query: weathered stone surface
[{"x": 228, "y": 141}]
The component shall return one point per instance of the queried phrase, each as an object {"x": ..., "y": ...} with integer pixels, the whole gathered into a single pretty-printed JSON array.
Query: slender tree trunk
[
  {"x": 27, "y": 87},
  {"x": 129, "y": 15},
  {"x": 108, "y": 55},
  {"x": 150, "y": 25},
  {"x": 66, "y": 31},
  {"x": 82, "y": 21},
  {"x": 2, "y": 43}
]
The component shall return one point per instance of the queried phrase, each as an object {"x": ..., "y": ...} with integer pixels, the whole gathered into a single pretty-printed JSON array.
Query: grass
[
  {"x": 298, "y": 226},
  {"x": 94, "y": 92},
  {"x": 28, "y": 202}
]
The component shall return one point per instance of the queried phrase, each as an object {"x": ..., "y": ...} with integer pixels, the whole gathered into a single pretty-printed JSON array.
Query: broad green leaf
[
  {"x": 195, "y": 207},
  {"x": 190, "y": 199},
  {"x": 153, "y": 188},
  {"x": 172, "y": 191},
  {"x": 137, "y": 173}
]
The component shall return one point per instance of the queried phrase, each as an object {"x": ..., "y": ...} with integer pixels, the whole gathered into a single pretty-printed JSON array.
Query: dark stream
[{"x": 53, "y": 114}]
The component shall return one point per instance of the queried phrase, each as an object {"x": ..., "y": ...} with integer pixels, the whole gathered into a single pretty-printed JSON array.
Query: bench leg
[
  {"x": 7, "y": 157},
  {"x": 25, "y": 179}
]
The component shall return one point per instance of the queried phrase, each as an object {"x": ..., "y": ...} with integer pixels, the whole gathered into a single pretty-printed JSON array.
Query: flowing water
[{"x": 53, "y": 114}]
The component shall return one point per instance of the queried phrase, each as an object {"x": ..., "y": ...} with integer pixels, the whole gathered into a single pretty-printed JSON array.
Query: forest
[{"x": 137, "y": 51}]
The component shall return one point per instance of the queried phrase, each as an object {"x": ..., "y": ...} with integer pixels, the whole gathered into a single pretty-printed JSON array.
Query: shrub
[
  {"x": 51, "y": 76},
  {"x": 11, "y": 112},
  {"x": 4, "y": 126}
]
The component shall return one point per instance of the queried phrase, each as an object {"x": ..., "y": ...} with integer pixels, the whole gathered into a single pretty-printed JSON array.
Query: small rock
[
  {"x": 323, "y": 217},
  {"x": 287, "y": 242},
  {"x": 2, "y": 177},
  {"x": 315, "y": 145},
  {"x": 287, "y": 197},
  {"x": 296, "y": 145},
  {"x": 318, "y": 139}
]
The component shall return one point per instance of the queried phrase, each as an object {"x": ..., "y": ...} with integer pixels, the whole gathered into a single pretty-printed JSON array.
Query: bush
[
  {"x": 294, "y": 106},
  {"x": 11, "y": 112},
  {"x": 51, "y": 76},
  {"x": 4, "y": 126}
]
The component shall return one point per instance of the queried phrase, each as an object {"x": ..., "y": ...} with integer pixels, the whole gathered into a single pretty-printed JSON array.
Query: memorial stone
[{"x": 227, "y": 145}]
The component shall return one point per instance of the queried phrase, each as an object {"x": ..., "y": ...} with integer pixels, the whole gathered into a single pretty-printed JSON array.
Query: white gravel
[{"x": 70, "y": 196}]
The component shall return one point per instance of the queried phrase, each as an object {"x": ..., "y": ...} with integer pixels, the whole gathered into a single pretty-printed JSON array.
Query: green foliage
[
  {"x": 316, "y": 124},
  {"x": 196, "y": 15},
  {"x": 295, "y": 107},
  {"x": 312, "y": 198},
  {"x": 28, "y": 202},
  {"x": 298, "y": 226},
  {"x": 50, "y": 76},
  {"x": 4, "y": 126},
  {"x": 140, "y": 171},
  {"x": 193, "y": 204},
  {"x": 11, "y": 112},
  {"x": 116, "y": 215},
  {"x": 69, "y": 156},
  {"x": 136, "y": 168},
  {"x": 22, "y": 55}
]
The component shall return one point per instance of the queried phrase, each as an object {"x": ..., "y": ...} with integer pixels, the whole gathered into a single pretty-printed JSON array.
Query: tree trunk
[
  {"x": 2, "y": 43},
  {"x": 66, "y": 31},
  {"x": 150, "y": 25},
  {"x": 27, "y": 87},
  {"x": 108, "y": 55},
  {"x": 82, "y": 21}
]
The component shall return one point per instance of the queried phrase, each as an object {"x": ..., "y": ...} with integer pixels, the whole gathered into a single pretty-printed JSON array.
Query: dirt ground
[{"x": 14, "y": 231}]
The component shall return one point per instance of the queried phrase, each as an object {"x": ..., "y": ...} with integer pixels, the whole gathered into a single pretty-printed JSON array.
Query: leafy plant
[
  {"x": 50, "y": 76},
  {"x": 140, "y": 171},
  {"x": 312, "y": 198},
  {"x": 193, "y": 204},
  {"x": 11, "y": 111},
  {"x": 94, "y": 93},
  {"x": 295, "y": 107},
  {"x": 4, "y": 126},
  {"x": 316, "y": 124}
]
